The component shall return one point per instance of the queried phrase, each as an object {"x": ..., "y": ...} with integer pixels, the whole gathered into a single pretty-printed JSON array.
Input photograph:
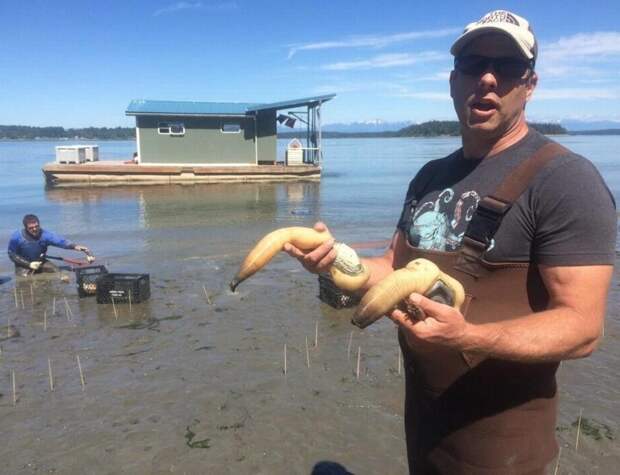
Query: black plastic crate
[
  {"x": 122, "y": 287},
  {"x": 86, "y": 279},
  {"x": 333, "y": 296}
]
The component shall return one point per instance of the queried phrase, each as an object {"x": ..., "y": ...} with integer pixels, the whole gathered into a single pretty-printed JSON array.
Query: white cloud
[
  {"x": 594, "y": 46},
  {"x": 432, "y": 96},
  {"x": 175, "y": 7},
  {"x": 563, "y": 69},
  {"x": 583, "y": 55},
  {"x": 385, "y": 61},
  {"x": 371, "y": 41},
  {"x": 597, "y": 81},
  {"x": 583, "y": 117},
  {"x": 178, "y": 6},
  {"x": 575, "y": 94},
  {"x": 439, "y": 76},
  {"x": 355, "y": 86}
]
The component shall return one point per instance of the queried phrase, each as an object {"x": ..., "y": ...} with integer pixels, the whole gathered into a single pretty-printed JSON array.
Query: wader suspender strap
[{"x": 492, "y": 208}]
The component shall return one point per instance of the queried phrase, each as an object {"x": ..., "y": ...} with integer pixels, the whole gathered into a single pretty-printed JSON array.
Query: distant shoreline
[
  {"x": 288, "y": 135},
  {"x": 391, "y": 135},
  {"x": 430, "y": 129}
]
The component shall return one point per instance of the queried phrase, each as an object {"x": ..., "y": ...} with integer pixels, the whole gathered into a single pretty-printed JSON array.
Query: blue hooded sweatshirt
[{"x": 24, "y": 247}]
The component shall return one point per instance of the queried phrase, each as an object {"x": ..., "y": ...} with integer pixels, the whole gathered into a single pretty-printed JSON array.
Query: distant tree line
[
  {"x": 99, "y": 133},
  {"x": 597, "y": 132},
  {"x": 433, "y": 128}
]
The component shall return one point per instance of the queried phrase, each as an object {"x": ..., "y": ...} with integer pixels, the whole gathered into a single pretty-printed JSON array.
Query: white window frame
[
  {"x": 238, "y": 131},
  {"x": 169, "y": 126}
]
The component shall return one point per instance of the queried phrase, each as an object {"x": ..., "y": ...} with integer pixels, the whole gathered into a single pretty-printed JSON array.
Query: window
[
  {"x": 163, "y": 128},
  {"x": 231, "y": 128},
  {"x": 171, "y": 128},
  {"x": 177, "y": 128}
]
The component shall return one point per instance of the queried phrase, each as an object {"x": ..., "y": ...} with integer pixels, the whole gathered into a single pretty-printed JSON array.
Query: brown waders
[{"x": 466, "y": 413}]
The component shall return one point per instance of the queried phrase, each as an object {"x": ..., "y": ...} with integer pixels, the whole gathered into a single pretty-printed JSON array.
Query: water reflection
[
  {"x": 179, "y": 220},
  {"x": 163, "y": 206}
]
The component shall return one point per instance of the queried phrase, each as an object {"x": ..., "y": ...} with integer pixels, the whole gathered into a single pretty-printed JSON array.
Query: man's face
[
  {"x": 33, "y": 228},
  {"x": 489, "y": 103}
]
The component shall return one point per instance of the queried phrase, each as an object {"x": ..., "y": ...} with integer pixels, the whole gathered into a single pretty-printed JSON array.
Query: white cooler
[{"x": 70, "y": 154}]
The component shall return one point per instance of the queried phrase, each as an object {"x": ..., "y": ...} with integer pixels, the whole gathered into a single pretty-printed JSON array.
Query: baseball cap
[{"x": 501, "y": 21}]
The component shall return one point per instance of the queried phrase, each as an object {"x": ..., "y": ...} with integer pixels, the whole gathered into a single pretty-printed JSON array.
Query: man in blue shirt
[{"x": 28, "y": 247}]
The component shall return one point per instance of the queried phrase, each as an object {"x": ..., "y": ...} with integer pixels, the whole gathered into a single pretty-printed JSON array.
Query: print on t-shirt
[
  {"x": 550, "y": 223},
  {"x": 440, "y": 219}
]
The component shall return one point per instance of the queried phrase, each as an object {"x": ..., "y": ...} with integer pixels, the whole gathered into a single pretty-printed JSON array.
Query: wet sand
[{"x": 183, "y": 386}]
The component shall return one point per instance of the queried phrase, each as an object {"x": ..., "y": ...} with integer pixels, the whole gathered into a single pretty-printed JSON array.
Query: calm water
[
  {"x": 177, "y": 363},
  {"x": 359, "y": 196}
]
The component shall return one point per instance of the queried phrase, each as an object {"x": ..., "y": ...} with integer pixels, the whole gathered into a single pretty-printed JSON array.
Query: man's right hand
[
  {"x": 317, "y": 260},
  {"x": 34, "y": 265}
]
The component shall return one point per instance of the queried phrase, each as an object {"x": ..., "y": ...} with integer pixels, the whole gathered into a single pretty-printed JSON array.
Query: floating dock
[{"x": 109, "y": 173}]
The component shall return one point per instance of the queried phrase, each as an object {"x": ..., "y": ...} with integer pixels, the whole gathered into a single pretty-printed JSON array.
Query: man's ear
[
  {"x": 452, "y": 74},
  {"x": 532, "y": 82}
]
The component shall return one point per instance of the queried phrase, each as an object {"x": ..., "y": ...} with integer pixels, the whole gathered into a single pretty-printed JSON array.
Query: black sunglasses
[{"x": 475, "y": 65}]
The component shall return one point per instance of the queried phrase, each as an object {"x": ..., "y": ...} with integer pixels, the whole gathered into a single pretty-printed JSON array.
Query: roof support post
[
  {"x": 319, "y": 144},
  {"x": 255, "y": 138},
  {"x": 313, "y": 135},
  {"x": 138, "y": 142},
  {"x": 308, "y": 131}
]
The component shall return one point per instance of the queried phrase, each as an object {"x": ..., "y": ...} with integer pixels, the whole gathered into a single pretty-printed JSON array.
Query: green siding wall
[
  {"x": 267, "y": 136},
  {"x": 204, "y": 141}
]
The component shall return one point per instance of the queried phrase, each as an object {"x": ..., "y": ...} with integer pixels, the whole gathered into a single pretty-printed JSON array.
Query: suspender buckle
[{"x": 485, "y": 222}]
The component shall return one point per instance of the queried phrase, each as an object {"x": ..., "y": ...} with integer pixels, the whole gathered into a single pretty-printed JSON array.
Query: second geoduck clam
[{"x": 420, "y": 276}]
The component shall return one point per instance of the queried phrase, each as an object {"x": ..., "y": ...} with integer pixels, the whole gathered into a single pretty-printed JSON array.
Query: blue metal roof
[
  {"x": 179, "y": 108},
  {"x": 140, "y": 107},
  {"x": 307, "y": 101}
]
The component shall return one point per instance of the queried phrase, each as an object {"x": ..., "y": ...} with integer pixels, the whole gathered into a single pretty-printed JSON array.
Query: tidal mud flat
[
  {"x": 189, "y": 384},
  {"x": 183, "y": 386}
]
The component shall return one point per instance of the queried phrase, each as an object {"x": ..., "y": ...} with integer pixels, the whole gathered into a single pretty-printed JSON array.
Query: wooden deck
[{"x": 108, "y": 173}]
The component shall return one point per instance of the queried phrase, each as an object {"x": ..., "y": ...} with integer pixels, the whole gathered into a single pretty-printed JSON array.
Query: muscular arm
[
  {"x": 570, "y": 328},
  {"x": 574, "y": 222}
]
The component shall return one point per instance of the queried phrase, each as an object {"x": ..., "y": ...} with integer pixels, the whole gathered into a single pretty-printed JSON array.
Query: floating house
[{"x": 208, "y": 142}]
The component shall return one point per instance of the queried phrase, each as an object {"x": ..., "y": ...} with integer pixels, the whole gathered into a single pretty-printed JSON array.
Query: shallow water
[{"x": 179, "y": 385}]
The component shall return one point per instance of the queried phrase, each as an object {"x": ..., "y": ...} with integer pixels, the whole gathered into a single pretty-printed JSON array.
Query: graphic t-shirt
[{"x": 565, "y": 217}]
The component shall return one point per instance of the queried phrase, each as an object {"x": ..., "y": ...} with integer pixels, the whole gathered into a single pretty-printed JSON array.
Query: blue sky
[{"x": 79, "y": 63}]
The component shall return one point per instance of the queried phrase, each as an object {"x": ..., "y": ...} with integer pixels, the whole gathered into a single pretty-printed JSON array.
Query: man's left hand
[{"x": 438, "y": 323}]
